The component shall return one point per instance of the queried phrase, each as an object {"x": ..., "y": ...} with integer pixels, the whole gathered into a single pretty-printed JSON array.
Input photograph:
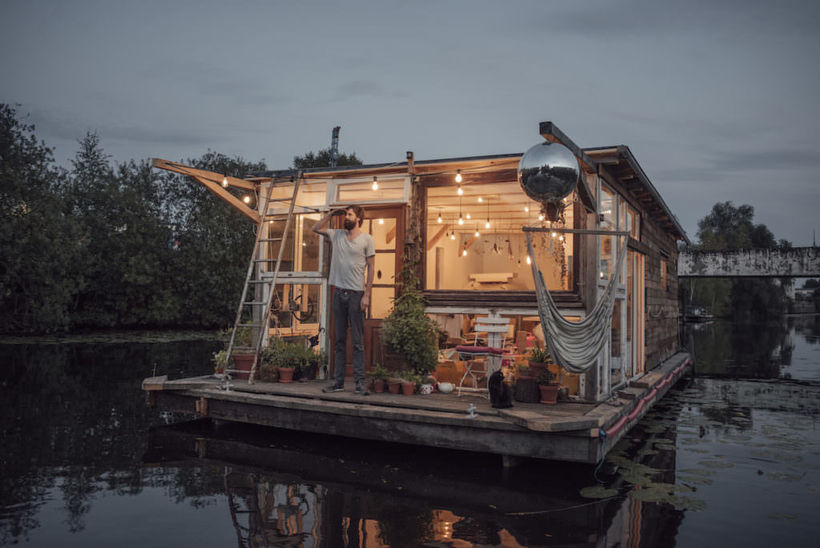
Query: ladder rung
[
  {"x": 254, "y": 302},
  {"x": 258, "y": 282},
  {"x": 264, "y": 260},
  {"x": 249, "y": 325},
  {"x": 270, "y": 239}
]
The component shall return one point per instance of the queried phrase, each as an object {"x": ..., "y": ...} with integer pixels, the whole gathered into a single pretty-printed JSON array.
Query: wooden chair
[{"x": 496, "y": 330}]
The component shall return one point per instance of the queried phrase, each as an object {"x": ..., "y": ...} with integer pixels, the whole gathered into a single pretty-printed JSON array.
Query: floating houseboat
[{"x": 601, "y": 261}]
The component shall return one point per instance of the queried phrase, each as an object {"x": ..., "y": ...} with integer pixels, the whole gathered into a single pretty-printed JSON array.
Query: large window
[
  {"x": 607, "y": 206},
  {"x": 475, "y": 241},
  {"x": 302, "y": 245}
]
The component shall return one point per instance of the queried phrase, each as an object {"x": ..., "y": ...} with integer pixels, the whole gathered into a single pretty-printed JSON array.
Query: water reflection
[
  {"x": 754, "y": 350},
  {"x": 321, "y": 491},
  {"x": 86, "y": 462},
  {"x": 73, "y": 424}
]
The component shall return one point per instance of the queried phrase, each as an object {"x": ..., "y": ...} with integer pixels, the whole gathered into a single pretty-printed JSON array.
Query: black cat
[{"x": 500, "y": 394}]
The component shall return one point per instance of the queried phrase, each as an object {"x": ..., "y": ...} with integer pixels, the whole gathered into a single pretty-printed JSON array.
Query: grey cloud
[{"x": 366, "y": 88}]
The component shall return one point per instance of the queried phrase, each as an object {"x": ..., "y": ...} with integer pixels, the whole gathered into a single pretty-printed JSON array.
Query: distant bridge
[{"x": 798, "y": 262}]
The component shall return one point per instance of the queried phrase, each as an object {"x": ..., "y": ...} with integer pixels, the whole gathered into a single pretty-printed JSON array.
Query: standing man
[{"x": 352, "y": 251}]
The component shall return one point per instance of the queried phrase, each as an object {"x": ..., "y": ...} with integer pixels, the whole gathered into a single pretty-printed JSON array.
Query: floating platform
[{"x": 566, "y": 431}]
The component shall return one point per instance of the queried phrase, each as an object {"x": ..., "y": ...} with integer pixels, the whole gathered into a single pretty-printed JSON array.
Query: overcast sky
[{"x": 718, "y": 99}]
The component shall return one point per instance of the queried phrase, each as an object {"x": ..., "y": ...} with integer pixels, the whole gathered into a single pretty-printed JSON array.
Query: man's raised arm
[{"x": 321, "y": 226}]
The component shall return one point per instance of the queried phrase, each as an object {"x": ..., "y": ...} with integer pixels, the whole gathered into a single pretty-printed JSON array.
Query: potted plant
[
  {"x": 394, "y": 383},
  {"x": 379, "y": 376},
  {"x": 547, "y": 386},
  {"x": 408, "y": 384},
  {"x": 243, "y": 353},
  {"x": 284, "y": 357},
  {"x": 220, "y": 361},
  {"x": 409, "y": 334},
  {"x": 538, "y": 360},
  {"x": 313, "y": 361},
  {"x": 526, "y": 389}
]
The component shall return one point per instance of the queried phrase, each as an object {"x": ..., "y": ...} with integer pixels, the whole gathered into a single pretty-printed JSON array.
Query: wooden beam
[
  {"x": 391, "y": 234},
  {"x": 551, "y": 133},
  {"x": 230, "y": 199},
  {"x": 467, "y": 245},
  {"x": 207, "y": 175},
  {"x": 434, "y": 240},
  {"x": 213, "y": 182}
]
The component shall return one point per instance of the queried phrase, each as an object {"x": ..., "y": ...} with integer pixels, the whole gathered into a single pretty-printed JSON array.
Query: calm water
[{"x": 84, "y": 462}]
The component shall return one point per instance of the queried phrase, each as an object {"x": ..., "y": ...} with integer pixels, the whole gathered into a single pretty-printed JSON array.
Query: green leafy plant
[
  {"x": 546, "y": 378},
  {"x": 408, "y": 331},
  {"x": 280, "y": 353},
  {"x": 540, "y": 355},
  {"x": 220, "y": 360},
  {"x": 244, "y": 337},
  {"x": 379, "y": 373}
]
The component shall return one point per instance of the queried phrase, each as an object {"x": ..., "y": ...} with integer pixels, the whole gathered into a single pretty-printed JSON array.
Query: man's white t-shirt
[{"x": 349, "y": 259}]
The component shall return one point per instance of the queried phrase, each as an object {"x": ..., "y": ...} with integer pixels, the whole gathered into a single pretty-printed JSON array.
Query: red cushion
[{"x": 464, "y": 349}]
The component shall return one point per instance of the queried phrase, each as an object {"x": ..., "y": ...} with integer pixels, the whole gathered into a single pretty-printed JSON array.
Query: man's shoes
[
  {"x": 361, "y": 390},
  {"x": 333, "y": 388}
]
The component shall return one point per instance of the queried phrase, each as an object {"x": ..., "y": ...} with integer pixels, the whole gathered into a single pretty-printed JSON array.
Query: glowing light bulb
[
  {"x": 468, "y": 216},
  {"x": 375, "y": 185},
  {"x": 453, "y": 235},
  {"x": 540, "y": 217},
  {"x": 526, "y": 209},
  {"x": 460, "y": 221},
  {"x": 464, "y": 253},
  {"x": 554, "y": 234},
  {"x": 487, "y": 224},
  {"x": 246, "y": 199},
  {"x": 381, "y": 221},
  {"x": 225, "y": 181},
  {"x": 439, "y": 220},
  {"x": 458, "y": 179},
  {"x": 477, "y": 233},
  {"x": 561, "y": 238},
  {"x": 480, "y": 199},
  {"x": 529, "y": 261},
  {"x": 459, "y": 191}
]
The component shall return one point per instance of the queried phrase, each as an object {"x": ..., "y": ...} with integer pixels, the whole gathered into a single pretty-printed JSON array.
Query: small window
[
  {"x": 385, "y": 190},
  {"x": 633, "y": 223}
]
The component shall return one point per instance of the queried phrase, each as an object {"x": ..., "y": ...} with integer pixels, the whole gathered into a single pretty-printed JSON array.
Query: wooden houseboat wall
[
  {"x": 493, "y": 276},
  {"x": 414, "y": 209}
]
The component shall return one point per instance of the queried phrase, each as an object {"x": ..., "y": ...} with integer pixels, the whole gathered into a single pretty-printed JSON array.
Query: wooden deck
[{"x": 566, "y": 431}]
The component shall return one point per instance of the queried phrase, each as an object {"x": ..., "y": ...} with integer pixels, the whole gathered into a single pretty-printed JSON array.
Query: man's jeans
[{"x": 347, "y": 308}]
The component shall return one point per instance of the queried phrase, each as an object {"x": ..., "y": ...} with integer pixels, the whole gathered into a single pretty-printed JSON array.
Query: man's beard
[{"x": 349, "y": 225}]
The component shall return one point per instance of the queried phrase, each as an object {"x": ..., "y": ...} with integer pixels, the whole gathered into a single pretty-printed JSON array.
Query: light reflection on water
[{"x": 719, "y": 461}]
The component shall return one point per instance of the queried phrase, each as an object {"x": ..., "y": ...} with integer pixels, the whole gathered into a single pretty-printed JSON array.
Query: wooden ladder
[{"x": 255, "y": 314}]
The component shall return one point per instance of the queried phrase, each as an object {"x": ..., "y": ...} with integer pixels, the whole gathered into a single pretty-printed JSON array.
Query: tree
[
  {"x": 732, "y": 228},
  {"x": 322, "y": 159},
  {"x": 212, "y": 242},
  {"x": 38, "y": 237}
]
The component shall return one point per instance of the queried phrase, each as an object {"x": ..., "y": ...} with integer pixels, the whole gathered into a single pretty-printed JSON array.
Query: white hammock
[{"x": 575, "y": 345}]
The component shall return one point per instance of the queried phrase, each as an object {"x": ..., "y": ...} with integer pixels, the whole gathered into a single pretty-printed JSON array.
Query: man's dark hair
[{"x": 359, "y": 211}]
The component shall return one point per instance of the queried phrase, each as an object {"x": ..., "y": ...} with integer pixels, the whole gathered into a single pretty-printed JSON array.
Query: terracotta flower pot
[
  {"x": 286, "y": 374},
  {"x": 242, "y": 364},
  {"x": 549, "y": 393},
  {"x": 393, "y": 387},
  {"x": 378, "y": 386},
  {"x": 408, "y": 387}
]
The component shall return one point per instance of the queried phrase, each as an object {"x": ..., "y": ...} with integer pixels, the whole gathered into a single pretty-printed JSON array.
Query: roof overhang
[{"x": 621, "y": 163}]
